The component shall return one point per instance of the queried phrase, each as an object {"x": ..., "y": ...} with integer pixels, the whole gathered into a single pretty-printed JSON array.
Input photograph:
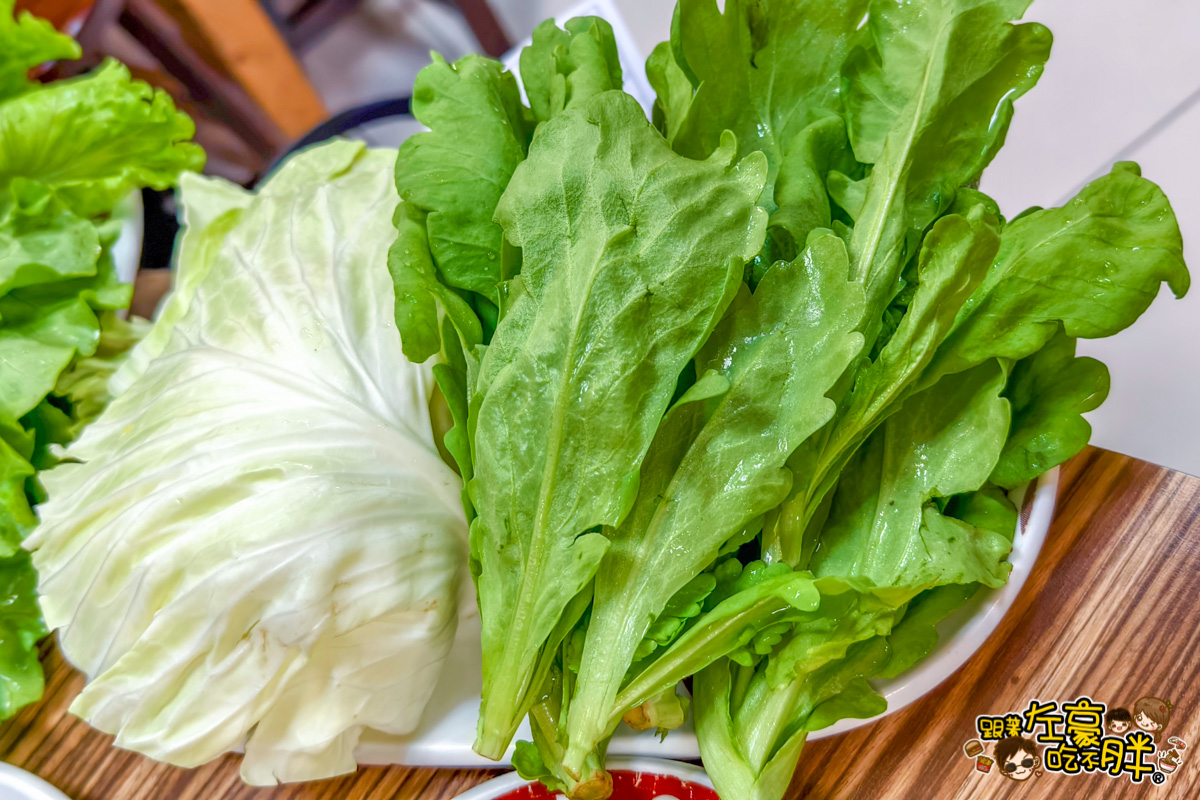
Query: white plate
[
  {"x": 504, "y": 784},
  {"x": 127, "y": 249},
  {"x": 448, "y": 728},
  {"x": 17, "y": 784}
]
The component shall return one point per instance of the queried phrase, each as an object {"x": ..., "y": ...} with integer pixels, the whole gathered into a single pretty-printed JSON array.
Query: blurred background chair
[{"x": 305, "y": 21}]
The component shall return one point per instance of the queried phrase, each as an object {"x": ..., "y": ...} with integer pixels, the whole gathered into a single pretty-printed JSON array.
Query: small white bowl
[
  {"x": 17, "y": 784},
  {"x": 498, "y": 787}
]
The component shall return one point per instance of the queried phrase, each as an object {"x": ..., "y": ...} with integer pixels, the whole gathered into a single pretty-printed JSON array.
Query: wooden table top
[{"x": 1111, "y": 610}]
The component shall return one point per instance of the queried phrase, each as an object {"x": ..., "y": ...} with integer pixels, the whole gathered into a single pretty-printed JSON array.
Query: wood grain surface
[{"x": 1111, "y": 610}]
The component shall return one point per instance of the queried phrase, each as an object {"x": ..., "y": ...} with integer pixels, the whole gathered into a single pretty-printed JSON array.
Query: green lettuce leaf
[
  {"x": 717, "y": 461},
  {"x": 16, "y": 449},
  {"x": 764, "y": 70},
  {"x": 952, "y": 262},
  {"x": 422, "y": 300},
  {"x": 767, "y": 447},
  {"x": 616, "y": 229},
  {"x": 452, "y": 193},
  {"x": 752, "y": 729},
  {"x": 883, "y": 534},
  {"x": 95, "y": 138},
  {"x": 26, "y": 42},
  {"x": 915, "y": 636},
  {"x": 85, "y": 384},
  {"x": 1092, "y": 267},
  {"x": 928, "y": 101},
  {"x": 989, "y": 508},
  {"x": 21, "y": 628},
  {"x": 566, "y": 67},
  {"x": 41, "y": 240},
  {"x": 673, "y": 90},
  {"x": 1049, "y": 392}
]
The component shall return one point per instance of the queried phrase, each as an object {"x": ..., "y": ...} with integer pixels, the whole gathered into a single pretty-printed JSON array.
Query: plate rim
[{"x": 27, "y": 784}]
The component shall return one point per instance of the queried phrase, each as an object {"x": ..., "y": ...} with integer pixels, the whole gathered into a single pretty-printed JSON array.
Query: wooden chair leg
[
  {"x": 244, "y": 42},
  {"x": 155, "y": 30},
  {"x": 313, "y": 19},
  {"x": 485, "y": 26}
]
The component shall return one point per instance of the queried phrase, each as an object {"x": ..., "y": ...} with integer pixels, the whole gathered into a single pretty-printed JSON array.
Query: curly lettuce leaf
[
  {"x": 422, "y": 299},
  {"x": 1049, "y": 391},
  {"x": 566, "y": 67},
  {"x": 915, "y": 636},
  {"x": 451, "y": 177},
  {"x": 16, "y": 449},
  {"x": 883, "y": 534},
  {"x": 1092, "y": 267},
  {"x": 745, "y": 625},
  {"x": 21, "y": 628},
  {"x": 44, "y": 328},
  {"x": 95, "y": 138},
  {"x": 25, "y": 42},
  {"x": 763, "y": 70},
  {"x": 616, "y": 229},
  {"x": 41, "y": 240},
  {"x": 929, "y": 97},
  {"x": 953, "y": 260},
  {"x": 85, "y": 384},
  {"x": 752, "y": 729},
  {"x": 989, "y": 508}
]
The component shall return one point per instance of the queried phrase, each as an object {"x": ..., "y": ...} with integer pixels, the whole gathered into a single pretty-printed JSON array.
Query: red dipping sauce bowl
[{"x": 633, "y": 779}]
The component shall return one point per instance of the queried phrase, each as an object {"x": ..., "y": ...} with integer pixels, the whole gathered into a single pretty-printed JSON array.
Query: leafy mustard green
[{"x": 740, "y": 392}]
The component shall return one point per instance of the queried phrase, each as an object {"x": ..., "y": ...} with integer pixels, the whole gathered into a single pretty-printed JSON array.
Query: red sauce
[{"x": 628, "y": 786}]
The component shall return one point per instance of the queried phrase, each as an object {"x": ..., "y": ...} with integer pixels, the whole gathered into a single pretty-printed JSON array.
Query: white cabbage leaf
[{"x": 257, "y": 543}]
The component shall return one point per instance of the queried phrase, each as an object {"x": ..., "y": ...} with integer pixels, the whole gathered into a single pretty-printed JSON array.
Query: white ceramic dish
[
  {"x": 445, "y": 735},
  {"x": 17, "y": 784},
  {"x": 498, "y": 787},
  {"x": 127, "y": 250}
]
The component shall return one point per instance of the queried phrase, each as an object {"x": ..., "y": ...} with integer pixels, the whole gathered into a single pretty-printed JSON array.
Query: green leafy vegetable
[
  {"x": 615, "y": 229},
  {"x": 744, "y": 391},
  {"x": 1060, "y": 265},
  {"x": 1049, "y": 391},
  {"x": 883, "y": 534},
  {"x": 718, "y": 461},
  {"x": 70, "y": 152},
  {"x": 21, "y": 628},
  {"x": 565, "y": 68},
  {"x": 764, "y": 70}
]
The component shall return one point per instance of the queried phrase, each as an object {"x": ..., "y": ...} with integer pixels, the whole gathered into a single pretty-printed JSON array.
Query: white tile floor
[{"x": 1123, "y": 82}]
